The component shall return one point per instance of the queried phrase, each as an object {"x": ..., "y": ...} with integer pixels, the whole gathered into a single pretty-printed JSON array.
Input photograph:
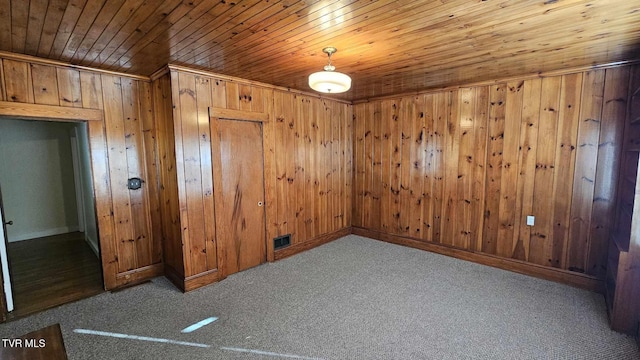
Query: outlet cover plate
[{"x": 531, "y": 220}]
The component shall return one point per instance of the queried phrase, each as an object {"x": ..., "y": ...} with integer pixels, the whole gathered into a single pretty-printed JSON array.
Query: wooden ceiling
[{"x": 388, "y": 47}]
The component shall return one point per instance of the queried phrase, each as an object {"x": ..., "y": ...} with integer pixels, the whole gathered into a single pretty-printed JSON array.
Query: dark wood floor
[{"x": 50, "y": 271}]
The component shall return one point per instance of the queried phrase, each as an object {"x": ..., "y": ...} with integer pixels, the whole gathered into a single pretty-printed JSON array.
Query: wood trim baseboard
[
  {"x": 192, "y": 282},
  {"x": 558, "y": 275},
  {"x": 310, "y": 244},
  {"x": 176, "y": 278},
  {"x": 199, "y": 280},
  {"x": 139, "y": 275}
]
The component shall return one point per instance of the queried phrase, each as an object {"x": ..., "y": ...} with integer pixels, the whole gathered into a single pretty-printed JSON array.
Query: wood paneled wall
[
  {"x": 307, "y": 162},
  {"x": 464, "y": 168},
  {"x": 122, "y": 146}
]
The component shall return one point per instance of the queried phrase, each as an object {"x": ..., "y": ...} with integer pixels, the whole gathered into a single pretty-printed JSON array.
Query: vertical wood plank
[
  {"x": 69, "y": 87},
  {"x": 585, "y": 172},
  {"x": 148, "y": 124},
  {"x": 440, "y": 116},
  {"x": 479, "y": 163},
  {"x": 219, "y": 94},
  {"x": 347, "y": 140},
  {"x": 406, "y": 140},
  {"x": 360, "y": 163},
  {"x": 508, "y": 178},
  {"x": 614, "y": 112},
  {"x": 367, "y": 155},
  {"x": 115, "y": 137},
  {"x": 300, "y": 151},
  {"x": 45, "y": 84},
  {"x": 385, "y": 159},
  {"x": 335, "y": 161},
  {"x": 395, "y": 168},
  {"x": 17, "y": 81},
  {"x": 375, "y": 191},
  {"x": 542, "y": 233},
  {"x": 195, "y": 247},
  {"x": 203, "y": 96},
  {"x": 270, "y": 173},
  {"x": 306, "y": 123},
  {"x": 570, "y": 92},
  {"x": 91, "y": 90},
  {"x": 527, "y": 165},
  {"x": 425, "y": 110},
  {"x": 497, "y": 98},
  {"x": 104, "y": 204},
  {"x": 281, "y": 175},
  {"x": 138, "y": 199},
  {"x": 417, "y": 169},
  {"x": 464, "y": 182},
  {"x": 233, "y": 95},
  {"x": 169, "y": 198},
  {"x": 316, "y": 161},
  {"x": 245, "y": 99}
]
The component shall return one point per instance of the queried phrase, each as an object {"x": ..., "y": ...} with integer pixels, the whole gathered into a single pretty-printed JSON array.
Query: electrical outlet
[{"x": 531, "y": 220}]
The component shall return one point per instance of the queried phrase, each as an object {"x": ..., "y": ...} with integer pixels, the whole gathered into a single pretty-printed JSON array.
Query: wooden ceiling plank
[
  {"x": 52, "y": 22},
  {"x": 351, "y": 38},
  {"x": 164, "y": 40},
  {"x": 123, "y": 15},
  {"x": 293, "y": 20},
  {"x": 67, "y": 24},
  {"x": 5, "y": 25},
  {"x": 89, "y": 14},
  {"x": 19, "y": 20},
  {"x": 390, "y": 34},
  {"x": 312, "y": 21},
  {"x": 212, "y": 27},
  {"x": 445, "y": 57},
  {"x": 158, "y": 17},
  {"x": 283, "y": 8},
  {"x": 37, "y": 14},
  {"x": 315, "y": 40},
  {"x": 162, "y": 31},
  {"x": 242, "y": 22},
  {"x": 141, "y": 13},
  {"x": 405, "y": 55},
  {"x": 188, "y": 34},
  {"x": 151, "y": 32},
  {"x": 104, "y": 18}
]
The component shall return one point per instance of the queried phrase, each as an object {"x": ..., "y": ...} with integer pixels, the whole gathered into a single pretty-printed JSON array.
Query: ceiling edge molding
[
  {"x": 540, "y": 74},
  {"x": 42, "y": 61},
  {"x": 251, "y": 82}
]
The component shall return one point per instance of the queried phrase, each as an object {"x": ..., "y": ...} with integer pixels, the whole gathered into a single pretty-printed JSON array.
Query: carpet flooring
[{"x": 354, "y": 298}]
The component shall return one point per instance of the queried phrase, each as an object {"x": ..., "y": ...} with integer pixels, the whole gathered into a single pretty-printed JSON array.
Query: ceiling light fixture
[{"x": 329, "y": 80}]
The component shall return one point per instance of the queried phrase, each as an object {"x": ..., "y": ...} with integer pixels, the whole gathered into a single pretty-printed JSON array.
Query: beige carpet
[{"x": 354, "y": 298}]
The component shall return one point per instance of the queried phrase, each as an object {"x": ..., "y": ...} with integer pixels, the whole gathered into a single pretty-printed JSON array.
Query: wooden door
[{"x": 240, "y": 195}]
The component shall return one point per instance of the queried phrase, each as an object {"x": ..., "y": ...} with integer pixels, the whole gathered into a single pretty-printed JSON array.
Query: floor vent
[{"x": 281, "y": 241}]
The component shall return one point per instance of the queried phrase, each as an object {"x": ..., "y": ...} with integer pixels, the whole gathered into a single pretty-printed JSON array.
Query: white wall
[
  {"x": 36, "y": 177},
  {"x": 91, "y": 230}
]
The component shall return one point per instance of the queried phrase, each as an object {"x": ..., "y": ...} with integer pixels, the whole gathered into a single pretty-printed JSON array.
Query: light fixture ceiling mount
[{"x": 329, "y": 80}]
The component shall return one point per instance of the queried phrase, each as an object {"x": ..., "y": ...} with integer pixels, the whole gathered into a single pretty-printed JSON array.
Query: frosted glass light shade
[{"x": 329, "y": 82}]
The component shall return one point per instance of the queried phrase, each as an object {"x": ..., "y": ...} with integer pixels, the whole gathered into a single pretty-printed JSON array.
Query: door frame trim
[{"x": 94, "y": 119}]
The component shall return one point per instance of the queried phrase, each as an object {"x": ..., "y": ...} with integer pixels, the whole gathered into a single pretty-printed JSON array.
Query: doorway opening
[{"x": 49, "y": 221}]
